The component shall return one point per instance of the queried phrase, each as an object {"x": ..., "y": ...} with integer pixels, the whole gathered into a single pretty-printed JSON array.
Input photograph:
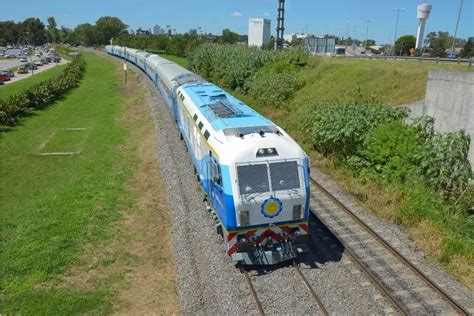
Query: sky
[{"x": 315, "y": 16}]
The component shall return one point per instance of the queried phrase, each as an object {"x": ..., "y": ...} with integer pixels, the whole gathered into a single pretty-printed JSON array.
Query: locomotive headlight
[
  {"x": 244, "y": 217},
  {"x": 297, "y": 211}
]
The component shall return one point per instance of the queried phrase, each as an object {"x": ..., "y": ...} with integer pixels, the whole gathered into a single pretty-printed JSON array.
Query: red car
[{"x": 4, "y": 77}]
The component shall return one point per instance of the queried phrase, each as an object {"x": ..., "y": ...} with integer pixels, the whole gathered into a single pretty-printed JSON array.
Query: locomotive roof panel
[{"x": 221, "y": 109}]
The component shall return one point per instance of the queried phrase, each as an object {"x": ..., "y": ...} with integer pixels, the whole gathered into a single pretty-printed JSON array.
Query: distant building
[
  {"x": 320, "y": 45},
  {"x": 259, "y": 32},
  {"x": 157, "y": 30},
  {"x": 193, "y": 31},
  {"x": 289, "y": 37}
]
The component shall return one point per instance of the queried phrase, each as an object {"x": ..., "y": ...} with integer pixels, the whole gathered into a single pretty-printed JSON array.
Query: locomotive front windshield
[
  {"x": 253, "y": 179},
  {"x": 284, "y": 175},
  {"x": 256, "y": 178}
]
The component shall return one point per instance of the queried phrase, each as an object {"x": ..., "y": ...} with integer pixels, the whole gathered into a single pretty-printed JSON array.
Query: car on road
[
  {"x": 38, "y": 63},
  {"x": 4, "y": 77},
  {"x": 23, "y": 60},
  {"x": 31, "y": 66},
  {"x": 22, "y": 70},
  {"x": 8, "y": 72}
]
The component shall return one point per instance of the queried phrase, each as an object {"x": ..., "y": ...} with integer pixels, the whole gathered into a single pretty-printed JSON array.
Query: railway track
[
  {"x": 406, "y": 287},
  {"x": 302, "y": 277}
]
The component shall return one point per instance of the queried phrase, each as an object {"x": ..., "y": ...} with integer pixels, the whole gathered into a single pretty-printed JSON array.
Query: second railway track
[{"x": 408, "y": 289}]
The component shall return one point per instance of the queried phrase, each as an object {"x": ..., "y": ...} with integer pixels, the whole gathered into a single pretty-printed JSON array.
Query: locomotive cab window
[
  {"x": 284, "y": 175},
  {"x": 216, "y": 173},
  {"x": 253, "y": 179}
]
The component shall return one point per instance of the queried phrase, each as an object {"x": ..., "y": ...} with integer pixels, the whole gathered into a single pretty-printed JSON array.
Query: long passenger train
[{"x": 255, "y": 177}]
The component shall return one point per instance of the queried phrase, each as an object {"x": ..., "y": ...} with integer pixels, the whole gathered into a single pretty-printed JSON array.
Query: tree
[
  {"x": 468, "y": 49},
  {"x": 86, "y": 34},
  {"x": 53, "y": 34},
  {"x": 403, "y": 44},
  {"x": 229, "y": 37},
  {"x": 9, "y": 33},
  {"x": 108, "y": 27},
  {"x": 33, "y": 31}
]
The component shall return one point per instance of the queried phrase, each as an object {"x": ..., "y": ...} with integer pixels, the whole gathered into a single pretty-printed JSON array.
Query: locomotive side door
[{"x": 216, "y": 191}]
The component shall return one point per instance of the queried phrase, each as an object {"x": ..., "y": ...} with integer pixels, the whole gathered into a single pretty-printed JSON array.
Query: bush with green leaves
[
  {"x": 389, "y": 150},
  {"x": 339, "y": 128},
  {"x": 274, "y": 84},
  {"x": 233, "y": 65},
  {"x": 41, "y": 94},
  {"x": 444, "y": 164}
]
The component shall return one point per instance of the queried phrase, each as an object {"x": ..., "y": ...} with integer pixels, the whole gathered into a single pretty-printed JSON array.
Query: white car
[{"x": 23, "y": 60}]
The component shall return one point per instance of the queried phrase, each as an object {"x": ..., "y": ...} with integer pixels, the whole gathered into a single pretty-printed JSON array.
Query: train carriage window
[
  {"x": 200, "y": 125},
  {"x": 206, "y": 135},
  {"x": 253, "y": 179},
  {"x": 284, "y": 175}
]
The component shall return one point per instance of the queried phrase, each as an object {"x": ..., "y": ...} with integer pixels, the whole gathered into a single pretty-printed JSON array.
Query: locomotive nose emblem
[{"x": 271, "y": 207}]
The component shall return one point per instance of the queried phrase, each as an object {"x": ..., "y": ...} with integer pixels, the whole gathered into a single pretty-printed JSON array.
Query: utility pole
[
  {"x": 280, "y": 24},
  {"x": 456, "y": 30},
  {"x": 125, "y": 65},
  {"x": 367, "y": 33},
  {"x": 396, "y": 26}
]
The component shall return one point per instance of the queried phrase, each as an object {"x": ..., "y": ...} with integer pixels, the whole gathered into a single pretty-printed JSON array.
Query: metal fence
[{"x": 469, "y": 62}]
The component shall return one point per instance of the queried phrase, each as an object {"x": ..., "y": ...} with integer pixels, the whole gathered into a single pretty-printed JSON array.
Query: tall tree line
[{"x": 33, "y": 32}]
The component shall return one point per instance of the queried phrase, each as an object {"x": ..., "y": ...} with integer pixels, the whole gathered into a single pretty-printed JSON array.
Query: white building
[
  {"x": 259, "y": 32},
  {"x": 157, "y": 30}
]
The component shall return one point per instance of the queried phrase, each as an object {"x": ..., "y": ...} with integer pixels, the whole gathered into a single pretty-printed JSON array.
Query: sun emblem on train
[{"x": 271, "y": 207}]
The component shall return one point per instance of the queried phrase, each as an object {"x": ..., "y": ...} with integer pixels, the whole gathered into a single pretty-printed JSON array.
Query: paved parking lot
[{"x": 19, "y": 77}]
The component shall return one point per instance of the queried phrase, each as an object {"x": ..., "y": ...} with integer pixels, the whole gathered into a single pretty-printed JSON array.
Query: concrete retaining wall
[{"x": 450, "y": 100}]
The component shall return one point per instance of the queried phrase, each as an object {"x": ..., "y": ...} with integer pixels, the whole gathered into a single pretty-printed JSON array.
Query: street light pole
[
  {"x": 396, "y": 26},
  {"x": 456, "y": 30},
  {"x": 367, "y": 33}
]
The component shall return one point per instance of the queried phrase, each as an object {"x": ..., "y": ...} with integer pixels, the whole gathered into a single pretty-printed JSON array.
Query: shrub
[
  {"x": 274, "y": 84},
  {"x": 339, "y": 128},
  {"x": 390, "y": 150},
  {"x": 444, "y": 164},
  {"x": 232, "y": 65},
  {"x": 41, "y": 94}
]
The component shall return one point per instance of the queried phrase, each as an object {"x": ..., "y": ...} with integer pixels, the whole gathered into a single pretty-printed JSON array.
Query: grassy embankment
[
  {"x": 439, "y": 234},
  {"x": 85, "y": 233},
  {"x": 15, "y": 87}
]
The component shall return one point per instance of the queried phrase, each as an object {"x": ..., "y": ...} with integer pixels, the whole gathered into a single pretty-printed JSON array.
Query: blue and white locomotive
[{"x": 254, "y": 175}]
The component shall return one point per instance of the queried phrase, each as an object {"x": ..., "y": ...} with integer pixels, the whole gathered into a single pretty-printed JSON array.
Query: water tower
[{"x": 423, "y": 13}]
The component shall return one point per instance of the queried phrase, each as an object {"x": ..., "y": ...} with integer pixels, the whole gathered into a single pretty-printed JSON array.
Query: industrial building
[{"x": 259, "y": 32}]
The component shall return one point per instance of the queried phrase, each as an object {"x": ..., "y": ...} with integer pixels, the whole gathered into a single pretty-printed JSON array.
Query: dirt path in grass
[{"x": 135, "y": 266}]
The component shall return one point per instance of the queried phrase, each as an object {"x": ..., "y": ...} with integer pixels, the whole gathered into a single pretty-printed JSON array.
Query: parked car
[
  {"x": 38, "y": 63},
  {"x": 8, "y": 72},
  {"x": 44, "y": 61},
  {"x": 22, "y": 70},
  {"x": 56, "y": 59},
  {"x": 4, "y": 77},
  {"x": 31, "y": 66},
  {"x": 23, "y": 60}
]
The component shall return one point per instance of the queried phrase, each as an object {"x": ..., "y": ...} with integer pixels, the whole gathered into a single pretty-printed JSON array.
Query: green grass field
[
  {"x": 16, "y": 87},
  {"x": 54, "y": 205}
]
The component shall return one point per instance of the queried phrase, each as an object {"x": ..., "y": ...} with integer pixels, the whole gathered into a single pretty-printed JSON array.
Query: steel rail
[
  {"x": 252, "y": 291},
  {"x": 310, "y": 289},
  {"x": 460, "y": 309}
]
